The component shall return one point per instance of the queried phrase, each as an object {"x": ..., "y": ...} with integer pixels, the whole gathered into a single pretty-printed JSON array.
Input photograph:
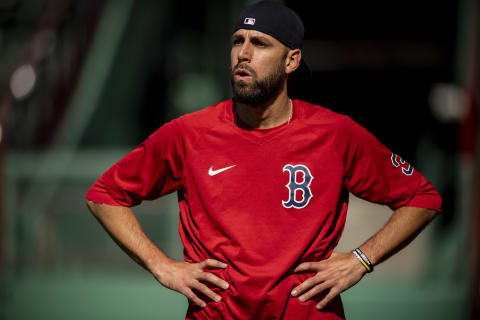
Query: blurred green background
[{"x": 84, "y": 82}]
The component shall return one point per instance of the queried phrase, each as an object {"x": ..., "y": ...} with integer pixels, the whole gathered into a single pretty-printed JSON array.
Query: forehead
[{"x": 247, "y": 33}]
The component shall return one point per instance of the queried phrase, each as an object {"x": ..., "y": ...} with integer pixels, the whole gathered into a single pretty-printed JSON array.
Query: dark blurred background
[{"x": 84, "y": 82}]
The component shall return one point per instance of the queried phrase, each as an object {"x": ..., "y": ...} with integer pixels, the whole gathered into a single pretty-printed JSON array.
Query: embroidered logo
[
  {"x": 294, "y": 186},
  {"x": 250, "y": 21},
  {"x": 212, "y": 172}
]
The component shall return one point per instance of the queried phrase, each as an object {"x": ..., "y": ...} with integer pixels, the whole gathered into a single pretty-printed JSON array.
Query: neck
[{"x": 269, "y": 115}]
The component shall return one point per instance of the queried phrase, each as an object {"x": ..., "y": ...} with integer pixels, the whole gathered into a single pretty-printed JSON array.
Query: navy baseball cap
[{"x": 278, "y": 21}]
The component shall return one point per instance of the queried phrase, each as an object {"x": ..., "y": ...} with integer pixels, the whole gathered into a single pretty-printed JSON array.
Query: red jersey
[{"x": 263, "y": 201}]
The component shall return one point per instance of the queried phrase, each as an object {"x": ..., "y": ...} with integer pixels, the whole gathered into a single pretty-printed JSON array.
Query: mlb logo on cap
[{"x": 250, "y": 21}]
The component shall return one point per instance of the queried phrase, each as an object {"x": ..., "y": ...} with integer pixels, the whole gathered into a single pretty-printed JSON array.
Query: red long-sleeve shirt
[{"x": 263, "y": 201}]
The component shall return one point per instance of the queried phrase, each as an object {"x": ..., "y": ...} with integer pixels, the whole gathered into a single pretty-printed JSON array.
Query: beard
[{"x": 257, "y": 92}]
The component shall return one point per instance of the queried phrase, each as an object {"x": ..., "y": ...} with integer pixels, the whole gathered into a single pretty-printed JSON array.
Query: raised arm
[{"x": 124, "y": 228}]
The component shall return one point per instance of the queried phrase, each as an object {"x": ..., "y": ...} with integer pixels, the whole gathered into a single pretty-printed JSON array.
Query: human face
[{"x": 257, "y": 67}]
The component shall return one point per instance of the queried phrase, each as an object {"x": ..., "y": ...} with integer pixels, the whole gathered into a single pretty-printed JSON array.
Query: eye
[
  {"x": 237, "y": 41},
  {"x": 259, "y": 43}
]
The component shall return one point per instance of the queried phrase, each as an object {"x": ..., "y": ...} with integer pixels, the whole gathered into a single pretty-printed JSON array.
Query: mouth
[{"x": 242, "y": 74}]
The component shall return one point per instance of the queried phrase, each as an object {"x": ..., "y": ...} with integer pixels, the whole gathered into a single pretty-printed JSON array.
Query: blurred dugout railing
[
  {"x": 36, "y": 179},
  {"x": 49, "y": 101}
]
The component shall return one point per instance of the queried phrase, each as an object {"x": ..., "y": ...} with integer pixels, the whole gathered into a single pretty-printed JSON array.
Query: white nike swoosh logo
[{"x": 212, "y": 172}]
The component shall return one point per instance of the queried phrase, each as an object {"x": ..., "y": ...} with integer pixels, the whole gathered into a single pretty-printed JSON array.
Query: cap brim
[{"x": 303, "y": 71}]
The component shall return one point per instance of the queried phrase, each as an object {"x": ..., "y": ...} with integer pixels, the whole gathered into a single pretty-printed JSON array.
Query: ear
[{"x": 292, "y": 61}]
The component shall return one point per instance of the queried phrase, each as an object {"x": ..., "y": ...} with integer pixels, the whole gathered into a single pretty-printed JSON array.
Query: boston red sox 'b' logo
[
  {"x": 407, "y": 169},
  {"x": 294, "y": 185}
]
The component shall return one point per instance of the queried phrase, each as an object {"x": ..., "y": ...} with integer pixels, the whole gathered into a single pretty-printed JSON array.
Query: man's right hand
[{"x": 183, "y": 277}]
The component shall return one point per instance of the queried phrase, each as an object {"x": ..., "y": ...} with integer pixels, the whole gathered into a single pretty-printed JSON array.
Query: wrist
[
  {"x": 159, "y": 264},
  {"x": 357, "y": 267},
  {"x": 363, "y": 260}
]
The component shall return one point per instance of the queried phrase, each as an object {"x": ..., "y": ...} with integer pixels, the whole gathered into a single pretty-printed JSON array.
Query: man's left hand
[{"x": 335, "y": 275}]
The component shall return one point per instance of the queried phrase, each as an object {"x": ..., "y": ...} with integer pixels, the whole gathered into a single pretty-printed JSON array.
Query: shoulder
[
  {"x": 323, "y": 121},
  {"x": 190, "y": 124},
  {"x": 316, "y": 115},
  {"x": 205, "y": 118}
]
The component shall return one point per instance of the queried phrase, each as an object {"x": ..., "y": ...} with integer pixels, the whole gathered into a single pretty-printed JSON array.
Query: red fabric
[
  {"x": 241, "y": 216},
  {"x": 99, "y": 194},
  {"x": 426, "y": 197}
]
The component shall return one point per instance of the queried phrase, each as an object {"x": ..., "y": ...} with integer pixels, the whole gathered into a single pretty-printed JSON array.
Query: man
[{"x": 262, "y": 184}]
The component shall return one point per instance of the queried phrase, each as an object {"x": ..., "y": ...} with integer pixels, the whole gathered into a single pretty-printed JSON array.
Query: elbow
[
  {"x": 428, "y": 203},
  {"x": 92, "y": 206},
  {"x": 426, "y": 215},
  {"x": 431, "y": 214}
]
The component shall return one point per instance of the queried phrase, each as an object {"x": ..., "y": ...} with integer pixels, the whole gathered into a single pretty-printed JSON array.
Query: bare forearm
[
  {"x": 124, "y": 228},
  {"x": 404, "y": 225},
  {"x": 342, "y": 270}
]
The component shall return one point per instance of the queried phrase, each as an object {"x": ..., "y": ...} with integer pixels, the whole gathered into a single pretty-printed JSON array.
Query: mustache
[{"x": 246, "y": 67}]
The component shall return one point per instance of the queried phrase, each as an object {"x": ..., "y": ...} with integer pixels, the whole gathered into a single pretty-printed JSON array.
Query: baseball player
[{"x": 263, "y": 183}]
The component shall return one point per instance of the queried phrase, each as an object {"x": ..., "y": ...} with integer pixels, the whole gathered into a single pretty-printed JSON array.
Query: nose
[{"x": 245, "y": 53}]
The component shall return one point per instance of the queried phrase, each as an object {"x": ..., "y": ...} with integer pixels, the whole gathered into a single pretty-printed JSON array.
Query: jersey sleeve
[
  {"x": 151, "y": 170},
  {"x": 376, "y": 174}
]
